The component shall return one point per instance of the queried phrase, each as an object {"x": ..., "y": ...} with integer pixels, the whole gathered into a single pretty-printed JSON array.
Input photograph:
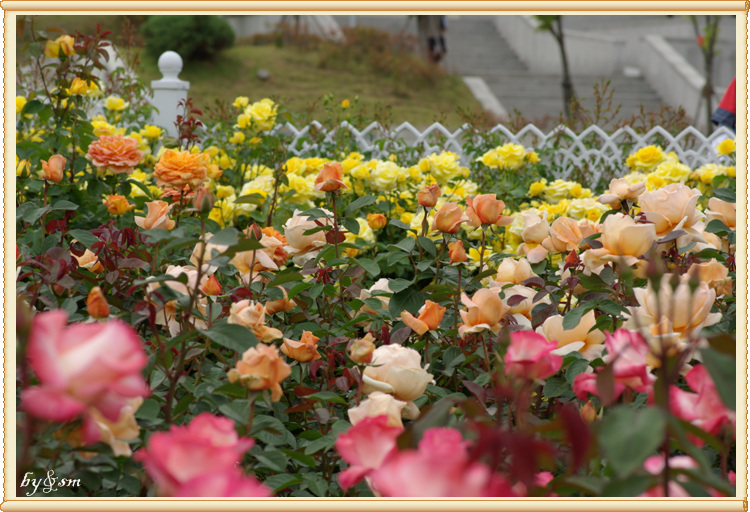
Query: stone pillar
[{"x": 168, "y": 92}]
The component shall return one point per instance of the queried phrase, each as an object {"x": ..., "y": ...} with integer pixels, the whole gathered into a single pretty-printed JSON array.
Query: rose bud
[
  {"x": 329, "y": 178},
  {"x": 428, "y": 196},
  {"x": 429, "y": 318},
  {"x": 53, "y": 170},
  {"x": 117, "y": 204},
  {"x": 449, "y": 218},
  {"x": 588, "y": 413},
  {"x": 376, "y": 220},
  {"x": 96, "y": 303},
  {"x": 212, "y": 286},
  {"x": 457, "y": 252},
  {"x": 203, "y": 201},
  {"x": 361, "y": 349}
]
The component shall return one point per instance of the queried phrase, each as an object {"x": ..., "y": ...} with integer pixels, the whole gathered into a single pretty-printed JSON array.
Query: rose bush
[{"x": 222, "y": 319}]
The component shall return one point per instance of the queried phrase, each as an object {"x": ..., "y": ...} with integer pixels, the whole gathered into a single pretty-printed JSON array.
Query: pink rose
[
  {"x": 364, "y": 447},
  {"x": 227, "y": 484},
  {"x": 439, "y": 467},
  {"x": 206, "y": 447},
  {"x": 529, "y": 357},
  {"x": 82, "y": 366}
]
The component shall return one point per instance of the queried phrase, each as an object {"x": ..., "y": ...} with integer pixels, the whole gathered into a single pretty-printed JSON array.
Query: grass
[{"x": 299, "y": 79}]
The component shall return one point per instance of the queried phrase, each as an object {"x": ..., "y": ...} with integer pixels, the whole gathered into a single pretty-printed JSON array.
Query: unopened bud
[
  {"x": 96, "y": 303},
  {"x": 361, "y": 349},
  {"x": 588, "y": 413},
  {"x": 428, "y": 196},
  {"x": 376, "y": 221},
  {"x": 254, "y": 231},
  {"x": 457, "y": 252},
  {"x": 203, "y": 201},
  {"x": 212, "y": 286}
]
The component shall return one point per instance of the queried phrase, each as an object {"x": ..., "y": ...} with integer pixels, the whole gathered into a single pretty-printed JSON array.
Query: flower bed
[{"x": 207, "y": 316}]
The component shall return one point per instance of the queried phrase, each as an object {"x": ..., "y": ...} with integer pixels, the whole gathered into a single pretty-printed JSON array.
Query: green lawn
[{"x": 298, "y": 79}]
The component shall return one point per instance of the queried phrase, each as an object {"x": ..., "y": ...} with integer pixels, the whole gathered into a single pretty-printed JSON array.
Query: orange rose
[
  {"x": 96, "y": 303},
  {"x": 376, "y": 221},
  {"x": 282, "y": 304},
  {"x": 253, "y": 316},
  {"x": 304, "y": 350},
  {"x": 361, "y": 349},
  {"x": 429, "y": 318},
  {"x": 456, "y": 252},
  {"x": 117, "y": 204},
  {"x": 329, "y": 178},
  {"x": 580, "y": 338},
  {"x": 179, "y": 169},
  {"x": 157, "y": 217},
  {"x": 619, "y": 190},
  {"x": 114, "y": 153},
  {"x": 428, "y": 196},
  {"x": 279, "y": 254},
  {"x": 449, "y": 218},
  {"x": 261, "y": 367},
  {"x": 90, "y": 261},
  {"x": 486, "y": 209},
  {"x": 485, "y": 310},
  {"x": 53, "y": 170},
  {"x": 212, "y": 286}
]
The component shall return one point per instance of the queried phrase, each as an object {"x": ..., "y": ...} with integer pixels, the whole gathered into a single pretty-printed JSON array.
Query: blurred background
[{"x": 609, "y": 70}]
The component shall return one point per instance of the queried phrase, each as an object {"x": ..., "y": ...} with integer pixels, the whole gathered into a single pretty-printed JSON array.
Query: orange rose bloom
[
  {"x": 96, "y": 303},
  {"x": 361, "y": 349},
  {"x": 158, "y": 216},
  {"x": 115, "y": 153},
  {"x": 304, "y": 350},
  {"x": 448, "y": 219},
  {"x": 486, "y": 209},
  {"x": 212, "y": 286},
  {"x": 261, "y": 367},
  {"x": 457, "y": 252},
  {"x": 117, "y": 204},
  {"x": 429, "y": 318},
  {"x": 53, "y": 170},
  {"x": 329, "y": 178},
  {"x": 428, "y": 196},
  {"x": 178, "y": 169},
  {"x": 376, "y": 220},
  {"x": 253, "y": 316}
]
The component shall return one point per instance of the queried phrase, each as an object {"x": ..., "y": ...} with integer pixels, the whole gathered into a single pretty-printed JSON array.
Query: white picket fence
[{"x": 593, "y": 149}]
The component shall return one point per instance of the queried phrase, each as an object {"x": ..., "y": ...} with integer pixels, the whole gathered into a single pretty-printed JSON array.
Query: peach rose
[
  {"x": 514, "y": 271},
  {"x": 279, "y": 254},
  {"x": 396, "y": 370},
  {"x": 524, "y": 307},
  {"x": 381, "y": 287},
  {"x": 114, "y": 433},
  {"x": 566, "y": 234},
  {"x": 205, "y": 251},
  {"x": 376, "y": 221},
  {"x": 168, "y": 315},
  {"x": 261, "y": 367},
  {"x": 89, "y": 261},
  {"x": 428, "y": 196},
  {"x": 157, "y": 217},
  {"x": 580, "y": 338},
  {"x": 282, "y": 304},
  {"x": 253, "y": 316},
  {"x": 114, "y": 153},
  {"x": 429, "y": 318},
  {"x": 713, "y": 273},
  {"x": 360, "y": 350},
  {"x": 117, "y": 204},
  {"x": 179, "y": 169},
  {"x": 305, "y": 247},
  {"x": 255, "y": 261},
  {"x": 535, "y": 231},
  {"x": 330, "y": 178},
  {"x": 456, "y": 252},
  {"x": 96, "y": 303},
  {"x": 620, "y": 190},
  {"x": 304, "y": 350},
  {"x": 622, "y": 240},
  {"x": 672, "y": 207},
  {"x": 684, "y": 312},
  {"x": 378, "y": 403},
  {"x": 54, "y": 169},
  {"x": 486, "y": 209},
  {"x": 449, "y": 218},
  {"x": 723, "y": 211},
  {"x": 485, "y": 310}
]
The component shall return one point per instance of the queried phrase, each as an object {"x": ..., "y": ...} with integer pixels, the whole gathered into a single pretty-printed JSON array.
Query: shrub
[{"x": 193, "y": 37}]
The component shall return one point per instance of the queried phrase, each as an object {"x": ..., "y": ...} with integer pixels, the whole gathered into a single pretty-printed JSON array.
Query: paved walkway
[{"x": 475, "y": 48}]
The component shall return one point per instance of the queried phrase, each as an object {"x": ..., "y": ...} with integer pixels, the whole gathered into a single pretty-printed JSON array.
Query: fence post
[{"x": 168, "y": 91}]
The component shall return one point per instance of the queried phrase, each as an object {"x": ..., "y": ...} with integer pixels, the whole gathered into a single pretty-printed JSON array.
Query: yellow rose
[
  {"x": 263, "y": 113},
  {"x": 152, "y": 132},
  {"x": 646, "y": 159},
  {"x": 726, "y": 147},
  {"x": 115, "y": 104},
  {"x": 20, "y": 103}
]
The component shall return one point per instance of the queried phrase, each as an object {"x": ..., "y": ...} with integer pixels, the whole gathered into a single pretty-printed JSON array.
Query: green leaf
[
  {"x": 360, "y": 202},
  {"x": 231, "y": 336},
  {"x": 573, "y": 317},
  {"x": 227, "y": 236},
  {"x": 398, "y": 224},
  {"x": 717, "y": 227},
  {"x": 628, "y": 436},
  {"x": 397, "y": 285},
  {"x": 273, "y": 460},
  {"x": 83, "y": 236},
  {"x": 238, "y": 410},
  {"x": 285, "y": 276},
  {"x": 327, "y": 396},
  {"x": 407, "y": 244},
  {"x": 576, "y": 368},
  {"x": 369, "y": 265},
  {"x": 280, "y": 482},
  {"x": 64, "y": 205},
  {"x": 723, "y": 371},
  {"x": 555, "y": 387},
  {"x": 149, "y": 410},
  {"x": 726, "y": 194},
  {"x": 428, "y": 245},
  {"x": 300, "y": 457},
  {"x": 351, "y": 224},
  {"x": 632, "y": 486}
]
